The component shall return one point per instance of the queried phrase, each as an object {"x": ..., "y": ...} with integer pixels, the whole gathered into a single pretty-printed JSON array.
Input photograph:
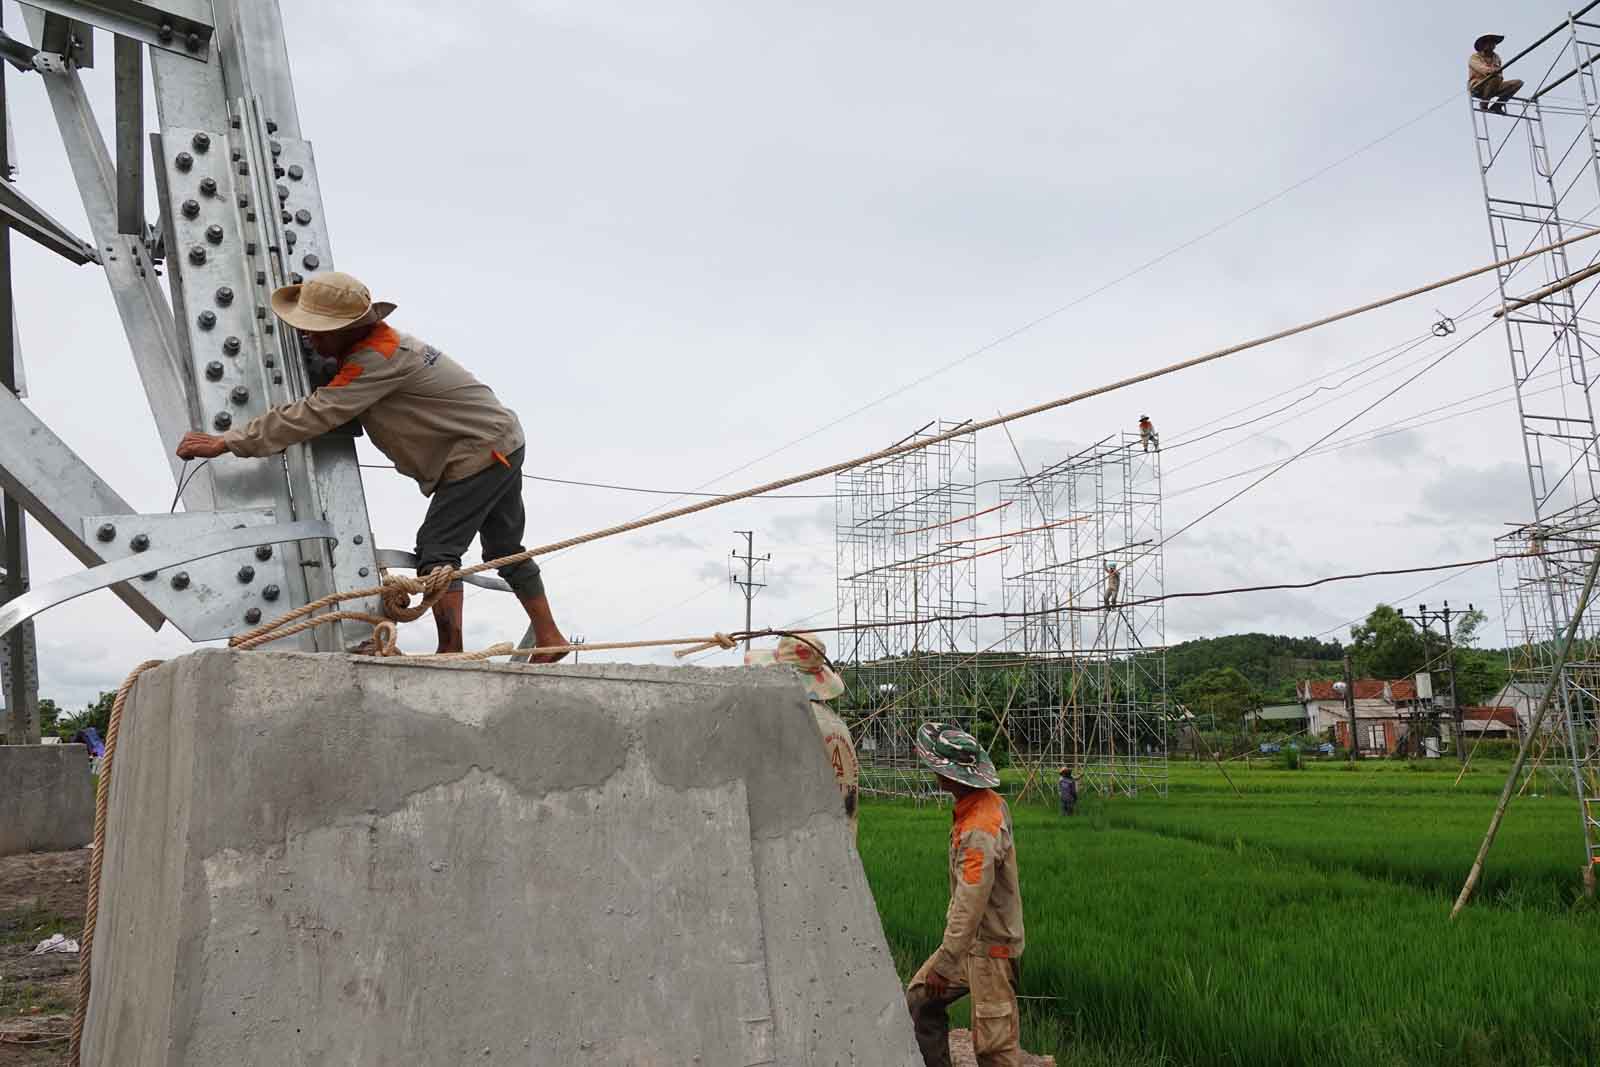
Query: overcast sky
[{"x": 676, "y": 238}]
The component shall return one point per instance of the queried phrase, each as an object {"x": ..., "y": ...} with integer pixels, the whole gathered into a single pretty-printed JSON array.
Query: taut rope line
[{"x": 396, "y": 590}]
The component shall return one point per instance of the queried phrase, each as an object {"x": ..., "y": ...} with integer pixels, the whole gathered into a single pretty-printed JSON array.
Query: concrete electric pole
[
  {"x": 748, "y": 584},
  {"x": 1424, "y": 619},
  {"x": 1350, "y": 708}
]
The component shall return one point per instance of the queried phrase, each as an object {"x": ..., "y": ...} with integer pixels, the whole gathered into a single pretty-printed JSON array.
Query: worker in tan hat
[
  {"x": 428, "y": 414},
  {"x": 1483, "y": 75}
]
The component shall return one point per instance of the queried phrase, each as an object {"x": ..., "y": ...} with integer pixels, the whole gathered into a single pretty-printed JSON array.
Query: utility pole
[
  {"x": 575, "y": 641},
  {"x": 748, "y": 585},
  {"x": 1350, "y": 708},
  {"x": 1425, "y": 618}
]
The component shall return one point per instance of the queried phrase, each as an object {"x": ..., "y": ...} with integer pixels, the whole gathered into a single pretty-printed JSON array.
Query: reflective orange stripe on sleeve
[
  {"x": 347, "y": 374},
  {"x": 972, "y": 866}
]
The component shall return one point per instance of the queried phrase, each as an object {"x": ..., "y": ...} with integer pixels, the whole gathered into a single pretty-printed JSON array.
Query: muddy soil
[{"x": 40, "y": 894}]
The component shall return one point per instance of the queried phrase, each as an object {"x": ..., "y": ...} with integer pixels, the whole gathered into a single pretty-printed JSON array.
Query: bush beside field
[{"x": 1305, "y": 923}]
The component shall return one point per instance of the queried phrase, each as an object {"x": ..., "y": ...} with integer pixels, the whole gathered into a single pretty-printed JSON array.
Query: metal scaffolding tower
[
  {"x": 906, "y": 551},
  {"x": 1086, "y": 670},
  {"x": 1540, "y": 165}
]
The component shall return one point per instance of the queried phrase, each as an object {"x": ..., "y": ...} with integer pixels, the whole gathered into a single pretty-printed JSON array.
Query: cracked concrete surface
[{"x": 334, "y": 860}]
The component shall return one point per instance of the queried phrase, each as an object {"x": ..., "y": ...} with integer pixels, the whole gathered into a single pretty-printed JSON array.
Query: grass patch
[
  {"x": 29, "y": 926},
  {"x": 35, "y": 998},
  {"x": 1305, "y": 923}
]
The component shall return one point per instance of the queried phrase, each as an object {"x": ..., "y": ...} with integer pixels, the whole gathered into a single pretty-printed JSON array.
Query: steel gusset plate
[{"x": 59, "y": 592}]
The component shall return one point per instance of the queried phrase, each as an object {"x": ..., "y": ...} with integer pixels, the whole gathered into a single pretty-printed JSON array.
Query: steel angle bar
[
  {"x": 255, "y": 58},
  {"x": 18, "y": 370},
  {"x": 57, "y": 488},
  {"x": 394, "y": 557},
  {"x": 182, "y": 27},
  {"x": 74, "y": 586},
  {"x": 146, "y": 316},
  {"x": 34, "y": 223},
  {"x": 69, "y": 38},
  {"x": 129, "y": 80}
]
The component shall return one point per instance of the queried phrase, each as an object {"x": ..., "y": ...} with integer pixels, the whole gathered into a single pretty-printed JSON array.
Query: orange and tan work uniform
[
  {"x": 421, "y": 408},
  {"x": 982, "y": 949},
  {"x": 440, "y": 426},
  {"x": 1484, "y": 80}
]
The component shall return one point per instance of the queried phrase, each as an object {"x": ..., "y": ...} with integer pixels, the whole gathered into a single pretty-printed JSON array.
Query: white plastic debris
[{"x": 56, "y": 943}]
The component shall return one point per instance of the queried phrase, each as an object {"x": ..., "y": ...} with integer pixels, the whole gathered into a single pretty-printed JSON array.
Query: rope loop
[{"x": 399, "y": 588}]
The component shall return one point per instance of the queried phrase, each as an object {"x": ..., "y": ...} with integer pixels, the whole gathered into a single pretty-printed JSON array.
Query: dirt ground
[
  {"x": 961, "y": 1054},
  {"x": 40, "y": 894}
]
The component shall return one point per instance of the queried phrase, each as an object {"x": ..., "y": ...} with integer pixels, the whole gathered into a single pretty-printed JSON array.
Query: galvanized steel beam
[
  {"x": 33, "y": 222},
  {"x": 146, "y": 316},
  {"x": 58, "y": 489},
  {"x": 181, "y": 27},
  {"x": 76, "y": 585}
]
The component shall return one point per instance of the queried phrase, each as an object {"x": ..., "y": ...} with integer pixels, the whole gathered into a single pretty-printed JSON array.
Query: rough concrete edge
[{"x": 130, "y": 738}]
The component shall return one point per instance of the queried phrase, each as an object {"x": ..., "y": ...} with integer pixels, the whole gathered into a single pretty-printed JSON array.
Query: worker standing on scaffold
[
  {"x": 1147, "y": 434},
  {"x": 1483, "y": 76},
  {"x": 1113, "y": 583}
]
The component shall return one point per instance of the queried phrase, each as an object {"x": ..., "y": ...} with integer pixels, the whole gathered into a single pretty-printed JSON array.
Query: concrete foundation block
[
  {"x": 46, "y": 798},
  {"x": 320, "y": 859}
]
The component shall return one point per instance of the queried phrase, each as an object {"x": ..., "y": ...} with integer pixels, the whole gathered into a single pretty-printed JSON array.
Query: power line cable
[
  {"x": 1090, "y": 294},
  {"x": 633, "y": 488}
]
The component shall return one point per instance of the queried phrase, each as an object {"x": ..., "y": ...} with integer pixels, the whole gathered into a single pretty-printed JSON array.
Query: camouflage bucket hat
[{"x": 951, "y": 752}]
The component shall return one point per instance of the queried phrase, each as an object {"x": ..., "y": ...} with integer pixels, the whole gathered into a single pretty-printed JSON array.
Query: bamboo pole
[{"x": 1522, "y": 751}]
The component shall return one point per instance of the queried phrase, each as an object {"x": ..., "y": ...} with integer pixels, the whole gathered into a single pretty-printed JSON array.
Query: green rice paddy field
[{"x": 1305, "y": 923}]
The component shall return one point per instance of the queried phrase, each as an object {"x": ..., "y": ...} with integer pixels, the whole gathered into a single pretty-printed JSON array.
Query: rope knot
[
  {"x": 398, "y": 589},
  {"x": 724, "y": 642}
]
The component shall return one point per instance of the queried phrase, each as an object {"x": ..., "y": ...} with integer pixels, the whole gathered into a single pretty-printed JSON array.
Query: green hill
[{"x": 1272, "y": 662}]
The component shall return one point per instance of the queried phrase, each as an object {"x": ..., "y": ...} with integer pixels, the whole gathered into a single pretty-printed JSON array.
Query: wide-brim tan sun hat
[
  {"x": 808, "y": 654},
  {"x": 329, "y": 301}
]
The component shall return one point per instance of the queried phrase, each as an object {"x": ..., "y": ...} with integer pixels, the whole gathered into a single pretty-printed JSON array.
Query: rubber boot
[
  {"x": 545, "y": 631},
  {"x": 447, "y": 611}
]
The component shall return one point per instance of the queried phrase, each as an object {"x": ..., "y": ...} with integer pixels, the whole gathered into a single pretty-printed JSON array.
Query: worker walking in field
[
  {"x": 1483, "y": 75},
  {"x": 1113, "y": 583},
  {"x": 1069, "y": 791},
  {"x": 1147, "y": 434},
  {"x": 428, "y": 414},
  {"x": 981, "y": 951}
]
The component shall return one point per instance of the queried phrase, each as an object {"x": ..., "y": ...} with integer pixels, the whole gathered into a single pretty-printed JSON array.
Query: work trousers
[
  {"x": 1067, "y": 806},
  {"x": 488, "y": 506},
  {"x": 996, "y": 1027},
  {"x": 1497, "y": 88}
]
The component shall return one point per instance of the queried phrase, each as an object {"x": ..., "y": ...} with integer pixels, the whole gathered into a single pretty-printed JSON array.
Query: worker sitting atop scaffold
[
  {"x": 1147, "y": 434},
  {"x": 1483, "y": 75},
  {"x": 1113, "y": 582}
]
